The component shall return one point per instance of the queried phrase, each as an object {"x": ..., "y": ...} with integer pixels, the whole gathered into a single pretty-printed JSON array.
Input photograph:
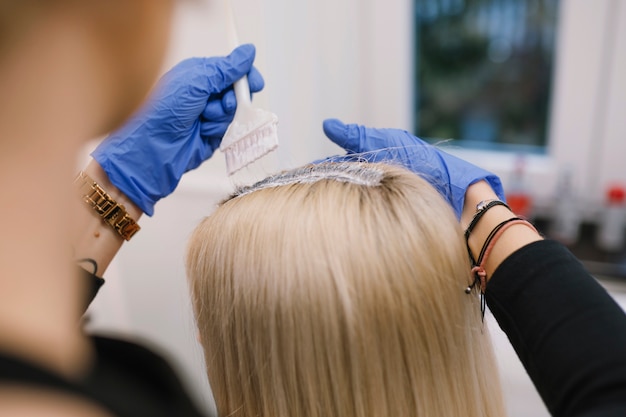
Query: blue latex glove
[
  {"x": 180, "y": 126},
  {"x": 448, "y": 174}
]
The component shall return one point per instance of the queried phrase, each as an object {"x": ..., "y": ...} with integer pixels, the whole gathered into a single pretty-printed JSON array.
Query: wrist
[
  {"x": 475, "y": 194},
  {"x": 105, "y": 207},
  {"x": 519, "y": 234},
  {"x": 512, "y": 239},
  {"x": 94, "y": 237},
  {"x": 95, "y": 171}
]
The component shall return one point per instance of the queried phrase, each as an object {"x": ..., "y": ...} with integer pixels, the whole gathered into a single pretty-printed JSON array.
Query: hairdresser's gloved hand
[
  {"x": 448, "y": 174},
  {"x": 180, "y": 126}
]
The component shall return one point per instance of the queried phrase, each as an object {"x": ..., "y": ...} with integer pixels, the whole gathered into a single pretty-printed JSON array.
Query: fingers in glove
[
  {"x": 255, "y": 80},
  {"x": 256, "y": 84},
  {"x": 215, "y": 129},
  {"x": 346, "y": 136},
  {"x": 231, "y": 68},
  {"x": 219, "y": 108}
]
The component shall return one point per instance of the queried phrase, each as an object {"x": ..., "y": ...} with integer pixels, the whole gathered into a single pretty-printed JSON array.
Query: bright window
[{"x": 484, "y": 71}]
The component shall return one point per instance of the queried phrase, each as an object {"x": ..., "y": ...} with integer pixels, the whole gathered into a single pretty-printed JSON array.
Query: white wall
[
  {"x": 349, "y": 59},
  {"x": 588, "y": 116}
]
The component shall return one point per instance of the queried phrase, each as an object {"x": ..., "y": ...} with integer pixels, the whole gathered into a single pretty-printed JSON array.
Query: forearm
[
  {"x": 566, "y": 329},
  {"x": 93, "y": 238},
  {"x": 513, "y": 238}
]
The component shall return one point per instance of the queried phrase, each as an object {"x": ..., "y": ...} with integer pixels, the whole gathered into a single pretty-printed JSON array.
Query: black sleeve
[
  {"x": 126, "y": 379},
  {"x": 566, "y": 329},
  {"x": 92, "y": 286},
  {"x": 132, "y": 380}
]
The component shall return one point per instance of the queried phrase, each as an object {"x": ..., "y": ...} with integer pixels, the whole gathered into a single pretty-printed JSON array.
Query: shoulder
[{"x": 126, "y": 378}]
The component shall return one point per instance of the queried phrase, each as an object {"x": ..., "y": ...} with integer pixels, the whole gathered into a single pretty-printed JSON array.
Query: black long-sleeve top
[
  {"x": 567, "y": 330},
  {"x": 126, "y": 379}
]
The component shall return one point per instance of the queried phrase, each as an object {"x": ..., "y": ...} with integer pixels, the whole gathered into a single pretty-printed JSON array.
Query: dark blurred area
[{"x": 600, "y": 262}]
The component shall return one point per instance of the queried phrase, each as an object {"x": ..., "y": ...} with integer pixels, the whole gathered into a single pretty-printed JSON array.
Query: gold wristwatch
[{"x": 109, "y": 210}]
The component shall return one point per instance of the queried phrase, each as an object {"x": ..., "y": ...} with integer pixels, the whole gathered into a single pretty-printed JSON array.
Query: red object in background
[
  {"x": 520, "y": 203},
  {"x": 517, "y": 196},
  {"x": 612, "y": 223},
  {"x": 616, "y": 194}
]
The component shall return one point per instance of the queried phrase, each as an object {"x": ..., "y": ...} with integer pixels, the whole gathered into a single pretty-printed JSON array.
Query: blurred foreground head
[
  {"x": 338, "y": 290},
  {"x": 113, "y": 50}
]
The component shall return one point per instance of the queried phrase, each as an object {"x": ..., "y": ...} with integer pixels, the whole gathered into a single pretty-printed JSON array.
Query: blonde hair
[{"x": 337, "y": 297}]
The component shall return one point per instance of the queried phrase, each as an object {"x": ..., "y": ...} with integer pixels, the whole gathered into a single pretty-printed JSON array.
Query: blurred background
[{"x": 534, "y": 90}]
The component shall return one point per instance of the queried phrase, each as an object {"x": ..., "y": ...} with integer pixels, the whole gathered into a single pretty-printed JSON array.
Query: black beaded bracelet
[{"x": 481, "y": 209}]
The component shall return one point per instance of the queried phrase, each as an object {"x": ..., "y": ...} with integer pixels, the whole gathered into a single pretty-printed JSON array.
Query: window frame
[{"x": 587, "y": 86}]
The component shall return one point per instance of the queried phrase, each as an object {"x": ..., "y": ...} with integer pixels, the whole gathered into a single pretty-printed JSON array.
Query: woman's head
[
  {"x": 120, "y": 42},
  {"x": 337, "y": 290}
]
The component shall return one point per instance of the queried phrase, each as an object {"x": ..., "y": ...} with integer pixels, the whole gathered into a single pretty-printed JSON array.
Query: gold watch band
[{"x": 109, "y": 210}]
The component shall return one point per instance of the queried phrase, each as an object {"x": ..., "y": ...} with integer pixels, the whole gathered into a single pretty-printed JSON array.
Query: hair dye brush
[{"x": 253, "y": 131}]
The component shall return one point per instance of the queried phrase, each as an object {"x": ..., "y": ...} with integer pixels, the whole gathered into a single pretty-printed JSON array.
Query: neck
[
  {"x": 39, "y": 290},
  {"x": 44, "y": 118}
]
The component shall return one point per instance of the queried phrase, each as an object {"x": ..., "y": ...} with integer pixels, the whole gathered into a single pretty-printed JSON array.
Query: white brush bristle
[{"x": 251, "y": 146}]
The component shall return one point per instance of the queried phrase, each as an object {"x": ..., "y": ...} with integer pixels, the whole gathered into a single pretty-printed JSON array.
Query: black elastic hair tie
[
  {"x": 90, "y": 261},
  {"x": 481, "y": 209},
  {"x": 478, "y": 265}
]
